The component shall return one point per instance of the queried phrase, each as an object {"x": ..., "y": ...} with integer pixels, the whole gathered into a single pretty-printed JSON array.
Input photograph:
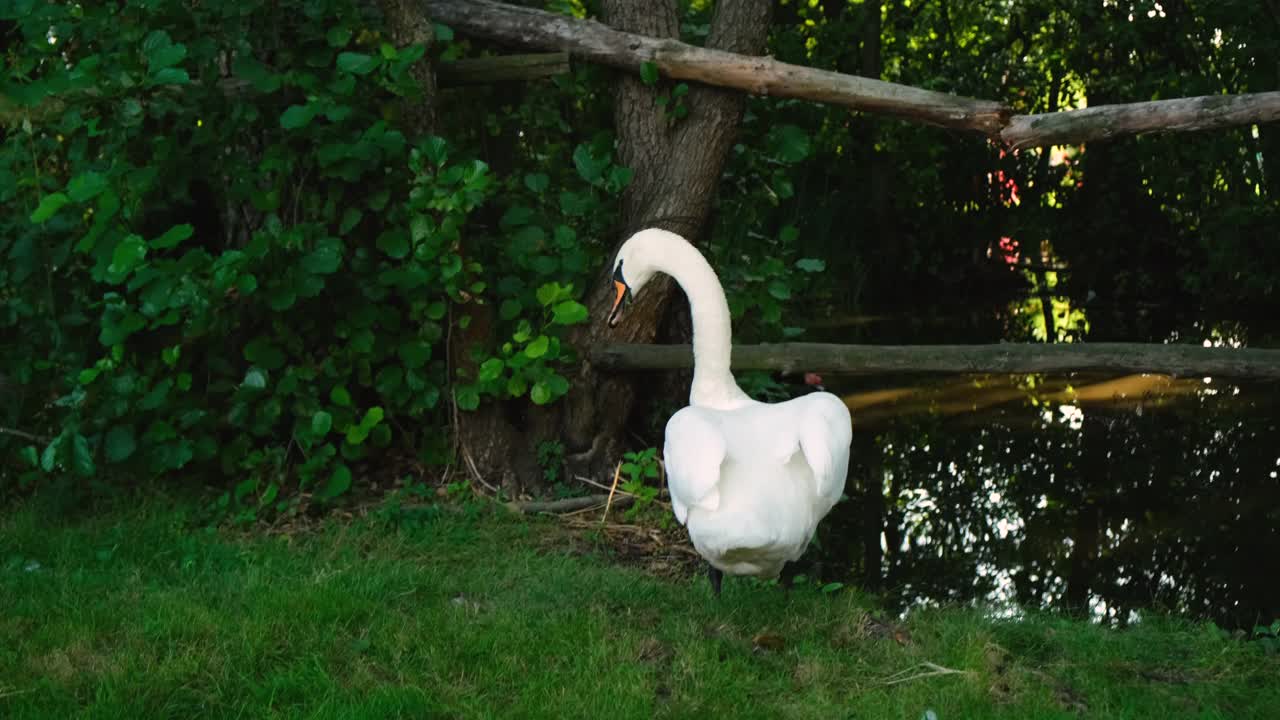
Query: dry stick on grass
[
  {"x": 931, "y": 670},
  {"x": 617, "y": 473}
]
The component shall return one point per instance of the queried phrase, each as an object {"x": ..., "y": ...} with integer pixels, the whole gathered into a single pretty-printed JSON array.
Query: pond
[{"x": 1101, "y": 495}]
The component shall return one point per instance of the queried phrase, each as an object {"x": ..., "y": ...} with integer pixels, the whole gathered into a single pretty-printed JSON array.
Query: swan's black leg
[{"x": 715, "y": 576}]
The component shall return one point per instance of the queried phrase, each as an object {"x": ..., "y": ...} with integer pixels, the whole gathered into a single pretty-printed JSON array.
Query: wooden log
[
  {"x": 502, "y": 68},
  {"x": 1105, "y": 121},
  {"x": 599, "y": 43},
  {"x": 1176, "y": 360}
]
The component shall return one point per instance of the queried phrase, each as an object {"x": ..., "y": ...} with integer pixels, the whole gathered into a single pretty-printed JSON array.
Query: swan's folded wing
[
  {"x": 826, "y": 431},
  {"x": 693, "y": 453}
]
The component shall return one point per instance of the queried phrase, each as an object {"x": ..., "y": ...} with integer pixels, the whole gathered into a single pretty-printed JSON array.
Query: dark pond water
[{"x": 1101, "y": 495}]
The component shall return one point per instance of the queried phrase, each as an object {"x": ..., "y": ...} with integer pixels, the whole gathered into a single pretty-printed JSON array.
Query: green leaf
[
  {"x": 789, "y": 143},
  {"x": 549, "y": 293},
  {"x": 338, "y": 36},
  {"x": 811, "y": 265},
  {"x": 86, "y": 186},
  {"x": 538, "y": 347},
  {"x": 255, "y": 379},
  {"x": 394, "y": 244},
  {"x": 537, "y": 182},
  {"x": 118, "y": 325},
  {"x": 260, "y": 351},
  {"x": 444, "y": 33},
  {"x": 779, "y": 290},
  {"x": 491, "y": 369},
  {"x": 390, "y": 379},
  {"x": 569, "y": 312},
  {"x": 468, "y": 398},
  {"x": 172, "y": 237},
  {"x": 510, "y": 309},
  {"x": 297, "y": 116},
  {"x": 128, "y": 254},
  {"x": 81, "y": 456},
  {"x": 49, "y": 458},
  {"x": 120, "y": 443},
  {"x": 321, "y": 423},
  {"x": 517, "y": 386},
  {"x": 49, "y": 205},
  {"x": 260, "y": 76},
  {"x": 591, "y": 168},
  {"x": 648, "y": 73},
  {"x": 171, "y": 76},
  {"x": 350, "y": 218},
  {"x": 415, "y": 353},
  {"x": 357, "y": 434},
  {"x": 558, "y": 384},
  {"x": 339, "y": 483},
  {"x": 620, "y": 177},
  {"x": 325, "y": 259},
  {"x": 357, "y": 63},
  {"x": 540, "y": 394},
  {"x": 339, "y": 396},
  {"x": 575, "y": 204},
  {"x": 165, "y": 56}
]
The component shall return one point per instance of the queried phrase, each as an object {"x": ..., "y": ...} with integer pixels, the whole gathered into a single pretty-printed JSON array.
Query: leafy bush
[{"x": 232, "y": 260}]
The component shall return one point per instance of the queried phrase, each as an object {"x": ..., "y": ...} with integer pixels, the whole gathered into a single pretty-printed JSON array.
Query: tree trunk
[{"x": 677, "y": 169}]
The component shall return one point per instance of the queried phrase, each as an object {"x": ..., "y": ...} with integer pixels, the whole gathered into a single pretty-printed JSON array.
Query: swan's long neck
[{"x": 713, "y": 383}]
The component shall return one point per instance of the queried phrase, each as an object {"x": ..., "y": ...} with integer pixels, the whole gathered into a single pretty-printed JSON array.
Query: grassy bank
[{"x": 135, "y": 611}]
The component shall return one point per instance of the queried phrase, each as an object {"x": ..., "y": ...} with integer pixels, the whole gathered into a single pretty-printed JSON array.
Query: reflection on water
[{"x": 1102, "y": 495}]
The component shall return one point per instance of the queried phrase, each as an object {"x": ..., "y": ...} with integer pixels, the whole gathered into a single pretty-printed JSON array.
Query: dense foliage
[{"x": 229, "y": 256}]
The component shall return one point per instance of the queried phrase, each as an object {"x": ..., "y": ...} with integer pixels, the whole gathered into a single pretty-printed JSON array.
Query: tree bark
[
  {"x": 1179, "y": 360},
  {"x": 722, "y": 66},
  {"x": 677, "y": 169}
]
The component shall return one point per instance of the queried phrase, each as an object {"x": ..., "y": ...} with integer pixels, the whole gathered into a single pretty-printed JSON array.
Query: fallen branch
[
  {"x": 567, "y": 505},
  {"x": 596, "y": 42},
  {"x": 1177, "y": 360}
]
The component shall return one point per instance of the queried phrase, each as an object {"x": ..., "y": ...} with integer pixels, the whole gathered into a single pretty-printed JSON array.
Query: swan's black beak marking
[{"x": 623, "y": 296}]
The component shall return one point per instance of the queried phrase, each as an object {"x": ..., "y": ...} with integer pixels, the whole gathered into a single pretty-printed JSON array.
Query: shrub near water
[{"x": 225, "y": 256}]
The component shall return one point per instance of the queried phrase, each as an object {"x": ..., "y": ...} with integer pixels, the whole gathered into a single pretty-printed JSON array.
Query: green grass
[{"x": 134, "y": 611}]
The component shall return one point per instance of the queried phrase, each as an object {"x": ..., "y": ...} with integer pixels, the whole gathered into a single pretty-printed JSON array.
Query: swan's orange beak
[{"x": 616, "y": 313}]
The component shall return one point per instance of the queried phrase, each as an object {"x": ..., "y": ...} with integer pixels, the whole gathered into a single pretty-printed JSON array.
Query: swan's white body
[{"x": 750, "y": 480}]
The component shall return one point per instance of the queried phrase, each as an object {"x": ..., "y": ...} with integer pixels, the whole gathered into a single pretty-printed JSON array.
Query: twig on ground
[
  {"x": 617, "y": 473},
  {"x": 10, "y": 693},
  {"x": 568, "y": 506},
  {"x": 930, "y": 670},
  {"x": 602, "y": 486}
]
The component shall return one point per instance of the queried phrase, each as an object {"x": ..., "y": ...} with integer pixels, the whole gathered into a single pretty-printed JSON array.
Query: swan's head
[{"x": 633, "y": 268}]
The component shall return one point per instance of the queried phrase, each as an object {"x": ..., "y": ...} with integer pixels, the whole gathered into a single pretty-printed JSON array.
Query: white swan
[{"x": 750, "y": 480}]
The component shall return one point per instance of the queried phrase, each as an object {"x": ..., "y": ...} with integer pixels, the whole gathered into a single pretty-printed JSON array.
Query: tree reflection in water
[{"x": 1101, "y": 498}]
